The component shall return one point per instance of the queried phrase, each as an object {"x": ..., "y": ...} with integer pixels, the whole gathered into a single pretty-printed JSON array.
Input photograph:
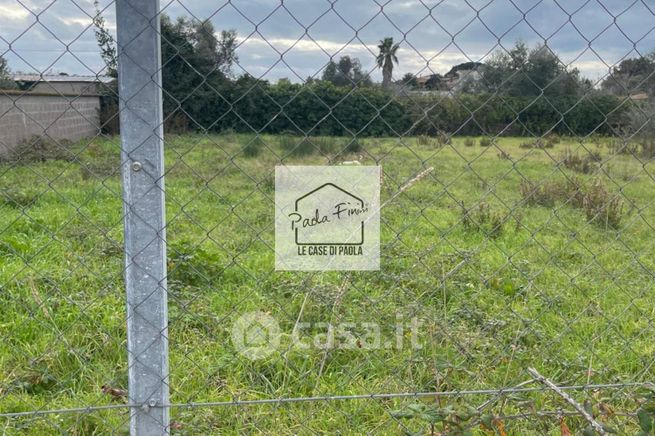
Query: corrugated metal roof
[{"x": 60, "y": 78}]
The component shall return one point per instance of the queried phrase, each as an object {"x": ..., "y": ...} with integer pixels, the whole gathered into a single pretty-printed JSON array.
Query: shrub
[
  {"x": 546, "y": 194},
  {"x": 582, "y": 164},
  {"x": 485, "y": 142},
  {"x": 39, "y": 149},
  {"x": 599, "y": 205},
  {"x": 468, "y": 142},
  {"x": 602, "y": 207},
  {"x": 247, "y": 103},
  {"x": 482, "y": 218},
  {"x": 108, "y": 115},
  {"x": 538, "y": 195}
]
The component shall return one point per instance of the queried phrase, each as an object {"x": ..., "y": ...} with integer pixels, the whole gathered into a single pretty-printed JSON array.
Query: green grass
[{"x": 507, "y": 287}]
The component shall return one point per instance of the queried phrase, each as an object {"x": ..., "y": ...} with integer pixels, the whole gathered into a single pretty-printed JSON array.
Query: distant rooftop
[{"x": 60, "y": 78}]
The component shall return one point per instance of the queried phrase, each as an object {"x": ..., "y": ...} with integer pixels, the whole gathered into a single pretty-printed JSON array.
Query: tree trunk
[{"x": 386, "y": 74}]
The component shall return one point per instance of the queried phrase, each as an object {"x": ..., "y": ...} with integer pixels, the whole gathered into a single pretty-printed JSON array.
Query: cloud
[
  {"x": 296, "y": 38},
  {"x": 13, "y": 13},
  {"x": 77, "y": 21}
]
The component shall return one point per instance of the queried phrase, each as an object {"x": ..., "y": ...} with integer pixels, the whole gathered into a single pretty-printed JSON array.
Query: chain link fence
[{"x": 515, "y": 290}]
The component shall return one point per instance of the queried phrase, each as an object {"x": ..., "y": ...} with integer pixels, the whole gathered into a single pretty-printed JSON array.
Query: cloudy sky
[{"x": 296, "y": 38}]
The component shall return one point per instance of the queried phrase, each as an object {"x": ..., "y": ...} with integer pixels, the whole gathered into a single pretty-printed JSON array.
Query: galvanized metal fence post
[{"x": 139, "y": 74}]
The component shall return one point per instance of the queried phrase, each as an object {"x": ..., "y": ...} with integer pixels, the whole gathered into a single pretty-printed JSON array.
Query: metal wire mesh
[{"x": 515, "y": 228}]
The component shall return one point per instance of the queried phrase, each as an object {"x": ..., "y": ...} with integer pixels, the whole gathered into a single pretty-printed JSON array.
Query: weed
[
  {"x": 541, "y": 143},
  {"x": 267, "y": 182},
  {"x": 648, "y": 148},
  {"x": 192, "y": 265},
  {"x": 623, "y": 147},
  {"x": 574, "y": 192},
  {"x": 325, "y": 144},
  {"x": 503, "y": 155},
  {"x": 253, "y": 147},
  {"x": 287, "y": 142},
  {"x": 496, "y": 225},
  {"x": 526, "y": 145},
  {"x": 482, "y": 218},
  {"x": 601, "y": 206},
  {"x": 485, "y": 142},
  {"x": 551, "y": 140},
  {"x": 299, "y": 147},
  {"x": 424, "y": 140},
  {"x": 582, "y": 164},
  {"x": 94, "y": 150},
  {"x": 518, "y": 221},
  {"x": 18, "y": 198},
  {"x": 99, "y": 169},
  {"x": 353, "y": 146},
  {"x": 468, "y": 142},
  {"x": 536, "y": 195},
  {"x": 596, "y": 140},
  {"x": 443, "y": 138},
  {"x": 39, "y": 149}
]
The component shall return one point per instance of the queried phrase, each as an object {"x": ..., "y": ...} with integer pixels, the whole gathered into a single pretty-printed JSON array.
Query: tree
[
  {"x": 195, "y": 65},
  {"x": 330, "y": 72},
  {"x": 346, "y": 72},
  {"x": 227, "y": 49},
  {"x": 525, "y": 72},
  {"x": 105, "y": 42},
  {"x": 435, "y": 82},
  {"x": 6, "y": 82},
  {"x": 408, "y": 81},
  {"x": 632, "y": 76},
  {"x": 386, "y": 58},
  {"x": 214, "y": 53},
  {"x": 207, "y": 54}
]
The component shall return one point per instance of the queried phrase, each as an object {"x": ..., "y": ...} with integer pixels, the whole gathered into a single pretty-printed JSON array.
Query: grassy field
[{"x": 503, "y": 275}]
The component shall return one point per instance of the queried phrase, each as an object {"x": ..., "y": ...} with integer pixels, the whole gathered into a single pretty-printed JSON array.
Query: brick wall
[{"x": 53, "y": 116}]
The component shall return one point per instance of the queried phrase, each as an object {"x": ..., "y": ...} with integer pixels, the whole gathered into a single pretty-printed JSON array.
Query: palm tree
[{"x": 386, "y": 59}]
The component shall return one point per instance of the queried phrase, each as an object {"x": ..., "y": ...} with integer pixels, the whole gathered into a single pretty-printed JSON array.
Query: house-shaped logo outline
[{"x": 361, "y": 202}]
